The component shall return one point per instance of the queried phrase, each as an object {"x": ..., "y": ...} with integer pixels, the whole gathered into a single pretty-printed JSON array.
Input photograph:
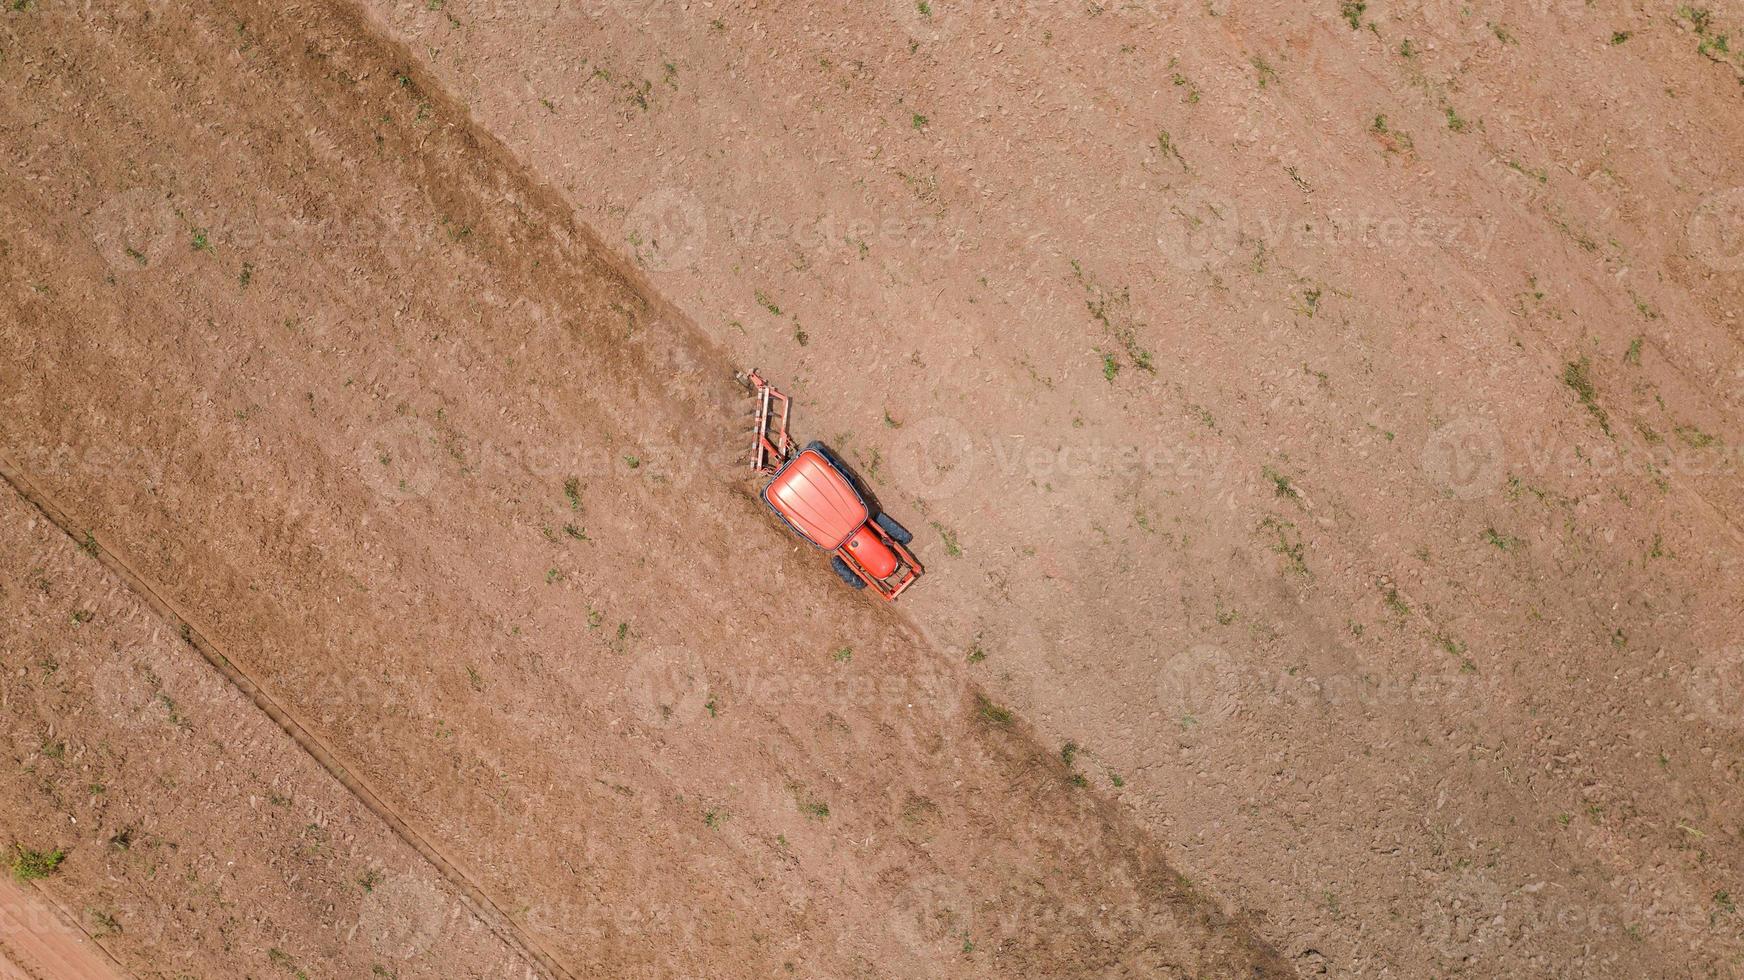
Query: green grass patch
[
  {"x": 1577, "y": 376},
  {"x": 33, "y": 865},
  {"x": 1264, "y": 73},
  {"x": 1281, "y": 484},
  {"x": 1500, "y": 541},
  {"x": 1396, "y": 603},
  {"x": 950, "y": 538},
  {"x": 992, "y": 713},
  {"x": 1292, "y": 551}
]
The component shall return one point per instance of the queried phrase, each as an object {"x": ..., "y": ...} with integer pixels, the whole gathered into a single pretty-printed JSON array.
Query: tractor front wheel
[
  {"x": 846, "y": 574},
  {"x": 897, "y": 532}
]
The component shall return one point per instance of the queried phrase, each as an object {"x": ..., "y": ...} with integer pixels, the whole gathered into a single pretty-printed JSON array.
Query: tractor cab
[{"x": 817, "y": 500}]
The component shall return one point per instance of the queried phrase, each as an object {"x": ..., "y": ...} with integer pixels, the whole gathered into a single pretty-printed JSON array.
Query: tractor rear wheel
[
  {"x": 846, "y": 574},
  {"x": 897, "y": 532}
]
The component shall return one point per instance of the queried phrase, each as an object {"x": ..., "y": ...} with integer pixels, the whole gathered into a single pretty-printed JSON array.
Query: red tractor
[{"x": 813, "y": 493}]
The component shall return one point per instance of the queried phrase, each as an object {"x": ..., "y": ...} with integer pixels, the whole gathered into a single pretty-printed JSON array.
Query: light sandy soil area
[
  {"x": 40, "y": 942},
  {"x": 1320, "y": 422}
]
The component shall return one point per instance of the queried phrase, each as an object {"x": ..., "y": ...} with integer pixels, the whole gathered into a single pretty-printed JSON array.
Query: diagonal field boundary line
[{"x": 470, "y": 893}]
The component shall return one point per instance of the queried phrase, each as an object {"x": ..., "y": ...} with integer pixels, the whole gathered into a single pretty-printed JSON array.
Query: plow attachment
[{"x": 773, "y": 446}]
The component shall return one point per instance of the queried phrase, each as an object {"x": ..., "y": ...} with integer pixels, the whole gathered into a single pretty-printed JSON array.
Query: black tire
[
  {"x": 897, "y": 532},
  {"x": 846, "y": 574}
]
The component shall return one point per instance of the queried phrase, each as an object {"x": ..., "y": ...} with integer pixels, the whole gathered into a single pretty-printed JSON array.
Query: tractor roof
[{"x": 817, "y": 499}]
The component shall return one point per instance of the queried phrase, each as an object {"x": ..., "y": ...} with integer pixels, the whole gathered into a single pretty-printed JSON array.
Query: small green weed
[
  {"x": 1694, "y": 437},
  {"x": 988, "y": 711},
  {"x": 1575, "y": 374},
  {"x": 1293, "y": 552},
  {"x": 31, "y": 865},
  {"x": 1264, "y": 71},
  {"x": 1396, "y": 603},
  {"x": 1500, "y": 541},
  {"x": 950, "y": 538},
  {"x": 1166, "y": 144},
  {"x": 1281, "y": 484}
]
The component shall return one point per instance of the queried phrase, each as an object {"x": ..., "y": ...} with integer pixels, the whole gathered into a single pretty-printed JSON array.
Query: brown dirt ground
[
  {"x": 1325, "y": 417},
  {"x": 343, "y": 470}
]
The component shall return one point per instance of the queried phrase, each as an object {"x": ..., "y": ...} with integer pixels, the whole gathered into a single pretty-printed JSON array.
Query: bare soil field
[
  {"x": 1320, "y": 423},
  {"x": 384, "y": 465}
]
